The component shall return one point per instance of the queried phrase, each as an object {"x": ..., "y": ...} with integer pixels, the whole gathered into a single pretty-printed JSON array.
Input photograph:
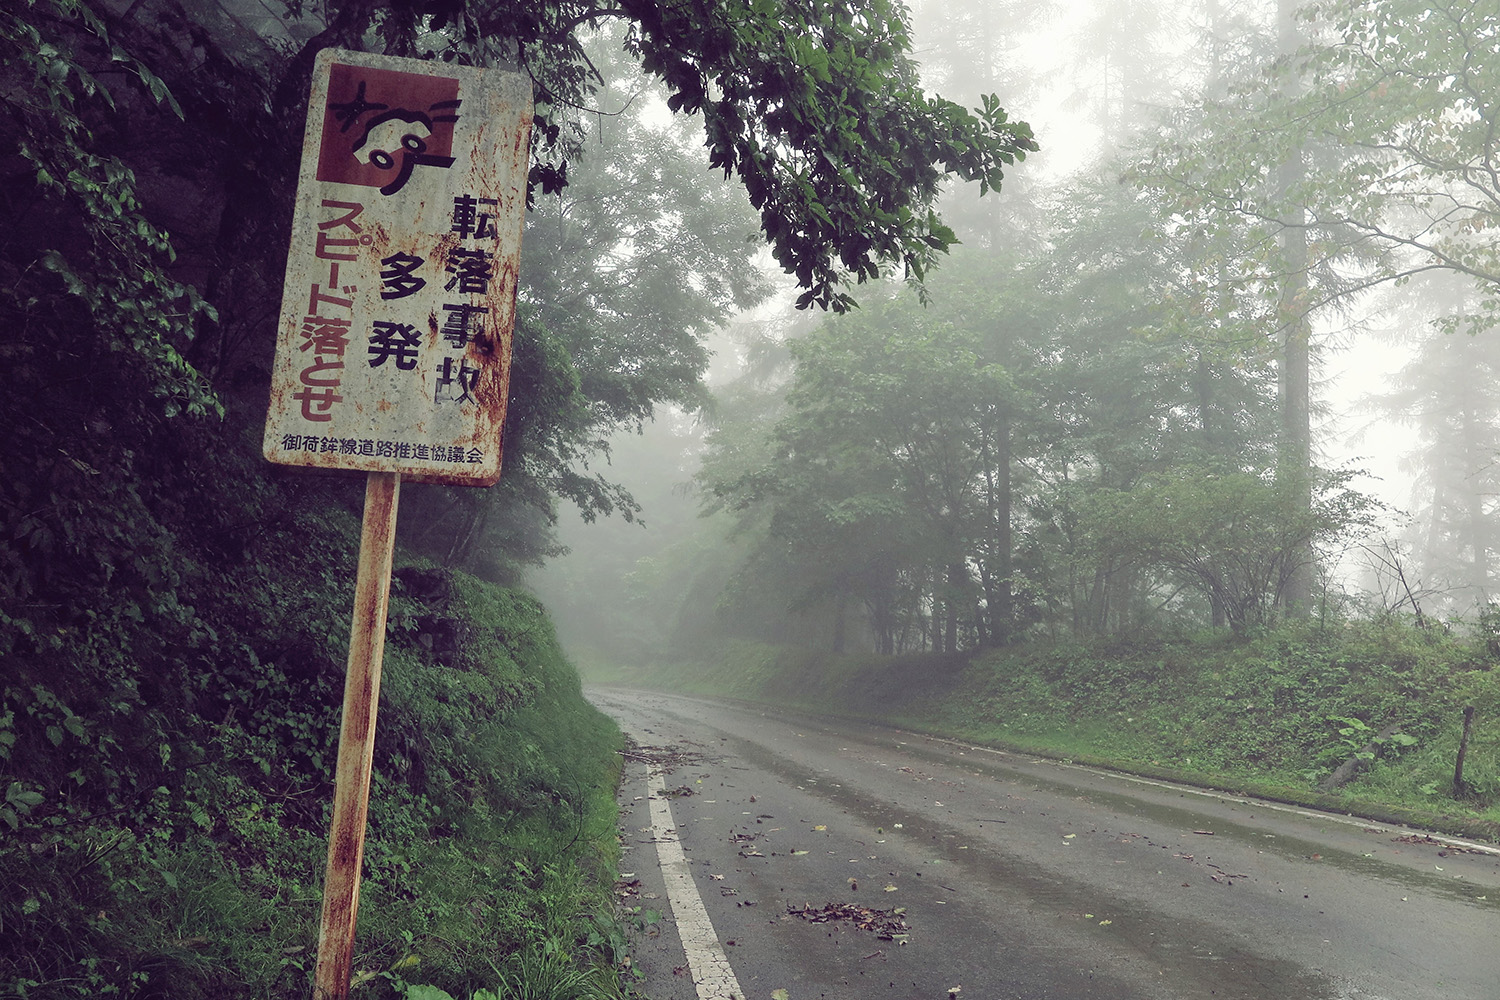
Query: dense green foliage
[
  {"x": 1235, "y": 537},
  {"x": 815, "y": 109},
  {"x": 167, "y": 802},
  {"x": 194, "y": 129},
  {"x": 1048, "y": 446}
]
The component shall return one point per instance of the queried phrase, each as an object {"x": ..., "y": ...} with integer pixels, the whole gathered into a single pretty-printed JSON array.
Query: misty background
[
  {"x": 1181, "y": 463},
  {"x": 1124, "y": 288}
]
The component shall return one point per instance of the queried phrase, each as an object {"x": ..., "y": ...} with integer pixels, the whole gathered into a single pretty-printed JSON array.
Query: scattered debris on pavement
[{"x": 887, "y": 925}]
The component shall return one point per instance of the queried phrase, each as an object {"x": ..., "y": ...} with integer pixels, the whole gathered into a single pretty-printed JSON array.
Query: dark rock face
[
  {"x": 431, "y": 587},
  {"x": 438, "y": 633},
  {"x": 443, "y": 637}
]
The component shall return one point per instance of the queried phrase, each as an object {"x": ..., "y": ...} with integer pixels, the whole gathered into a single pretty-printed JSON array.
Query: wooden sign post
[
  {"x": 351, "y": 783},
  {"x": 394, "y": 344}
]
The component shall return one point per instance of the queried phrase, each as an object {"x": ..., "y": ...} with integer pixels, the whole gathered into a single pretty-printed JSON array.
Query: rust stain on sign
[{"x": 394, "y": 342}]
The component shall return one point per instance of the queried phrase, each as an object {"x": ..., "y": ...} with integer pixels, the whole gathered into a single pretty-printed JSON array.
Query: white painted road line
[{"x": 712, "y": 976}]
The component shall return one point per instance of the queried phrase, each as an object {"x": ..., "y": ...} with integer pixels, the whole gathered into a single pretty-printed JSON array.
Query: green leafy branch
[{"x": 131, "y": 303}]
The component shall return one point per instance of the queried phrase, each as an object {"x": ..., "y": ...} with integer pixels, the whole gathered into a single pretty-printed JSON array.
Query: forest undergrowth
[
  {"x": 174, "y": 612},
  {"x": 167, "y": 742},
  {"x": 1275, "y": 713}
]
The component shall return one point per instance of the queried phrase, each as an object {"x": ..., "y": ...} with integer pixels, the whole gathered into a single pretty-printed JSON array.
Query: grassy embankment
[
  {"x": 1271, "y": 715},
  {"x": 165, "y": 759}
]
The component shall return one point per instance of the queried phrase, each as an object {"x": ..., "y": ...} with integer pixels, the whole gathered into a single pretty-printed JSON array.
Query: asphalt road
[{"x": 838, "y": 860}]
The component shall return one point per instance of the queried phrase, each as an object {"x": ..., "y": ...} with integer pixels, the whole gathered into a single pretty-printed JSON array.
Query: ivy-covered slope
[
  {"x": 174, "y": 612},
  {"x": 167, "y": 742}
]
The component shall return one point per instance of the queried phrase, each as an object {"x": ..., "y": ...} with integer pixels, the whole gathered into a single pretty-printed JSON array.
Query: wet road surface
[{"x": 836, "y": 860}]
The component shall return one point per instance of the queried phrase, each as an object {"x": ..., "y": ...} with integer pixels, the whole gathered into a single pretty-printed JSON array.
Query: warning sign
[{"x": 393, "y": 350}]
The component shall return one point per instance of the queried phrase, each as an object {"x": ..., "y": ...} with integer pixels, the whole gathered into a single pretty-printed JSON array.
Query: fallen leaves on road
[
  {"x": 887, "y": 925},
  {"x": 681, "y": 791},
  {"x": 1426, "y": 839},
  {"x": 670, "y": 756}
]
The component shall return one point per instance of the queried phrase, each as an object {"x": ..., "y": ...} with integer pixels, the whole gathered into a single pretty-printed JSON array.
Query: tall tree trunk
[
  {"x": 1003, "y": 609},
  {"x": 1122, "y": 582},
  {"x": 1475, "y": 456},
  {"x": 840, "y": 613},
  {"x": 1204, "y": 382},
  {"x": 958, "y": 576},
  {"x": 469, "y": 530},
  {"x": 1204, "y": 385},
  {"x": 984, "y": 636},
  {"x": 935, "y": 620},
  {"x": 995, "y": 571},
  {"x": 1292, "y": 307},
  {"x": 1099, "y": 602}
]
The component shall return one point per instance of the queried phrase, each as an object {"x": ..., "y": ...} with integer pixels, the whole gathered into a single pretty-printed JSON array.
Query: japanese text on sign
[{"x": 395, "y": 334}]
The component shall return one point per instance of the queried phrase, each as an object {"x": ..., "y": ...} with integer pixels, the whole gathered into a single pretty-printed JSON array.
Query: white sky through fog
[{"x": 1353, "y": 366}]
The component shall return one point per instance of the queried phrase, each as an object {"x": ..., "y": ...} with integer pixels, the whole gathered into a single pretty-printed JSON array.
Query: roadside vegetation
[
  {"x": 174, "y": 614},
  {"x": 1275, "y": 713},
  {"x": 167, "y": 789}
]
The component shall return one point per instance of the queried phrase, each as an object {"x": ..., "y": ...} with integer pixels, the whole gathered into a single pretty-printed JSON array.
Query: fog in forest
[
  {"x": 1111, "y": 386},
  {"x": 1095, "y": 405}
]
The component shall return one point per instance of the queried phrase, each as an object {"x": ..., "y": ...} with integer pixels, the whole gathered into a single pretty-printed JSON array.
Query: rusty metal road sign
[
  {"x": 393, "y": 348},
  {"x": 394, "y": 343}
]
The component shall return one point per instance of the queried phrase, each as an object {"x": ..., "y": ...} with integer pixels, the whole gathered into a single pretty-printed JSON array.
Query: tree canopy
[{"x": 816, "y": 107}]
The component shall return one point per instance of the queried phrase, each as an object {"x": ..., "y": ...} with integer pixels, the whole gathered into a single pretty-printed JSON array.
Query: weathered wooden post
[
  {"x": 1460, "y": 787},
  {"x": 393, "y": 349},
  {"x": 351, "y": 782}
]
